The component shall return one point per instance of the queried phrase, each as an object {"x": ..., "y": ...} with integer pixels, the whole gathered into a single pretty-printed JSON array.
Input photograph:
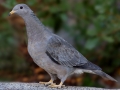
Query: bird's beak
[{"x": 12, "y": 12}]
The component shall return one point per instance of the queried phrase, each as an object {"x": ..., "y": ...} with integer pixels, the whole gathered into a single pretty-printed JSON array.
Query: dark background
[{"x": 91, "y": 26}]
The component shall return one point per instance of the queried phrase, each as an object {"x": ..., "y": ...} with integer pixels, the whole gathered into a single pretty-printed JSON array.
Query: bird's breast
[{"x": 36, "y": 48}]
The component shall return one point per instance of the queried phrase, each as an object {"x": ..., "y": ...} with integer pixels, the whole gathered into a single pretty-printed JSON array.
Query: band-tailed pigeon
[{"x": 51, "y": 52}]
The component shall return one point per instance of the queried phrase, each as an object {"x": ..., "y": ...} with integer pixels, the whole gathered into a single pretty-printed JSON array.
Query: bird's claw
[
  {"x": 56, "y": 86},
  {"x": 45, "y": 83},
  {"x": 48, "y": 83}
]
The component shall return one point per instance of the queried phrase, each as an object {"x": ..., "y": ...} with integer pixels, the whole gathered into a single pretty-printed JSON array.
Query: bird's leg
[
  {"x": 61, "y": 83},
  {"x": 47, "y": 83},
  {"x": 53, "y": 77}
]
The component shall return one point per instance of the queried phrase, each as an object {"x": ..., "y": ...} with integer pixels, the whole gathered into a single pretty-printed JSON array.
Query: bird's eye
[{"x": 21, "y": 7}]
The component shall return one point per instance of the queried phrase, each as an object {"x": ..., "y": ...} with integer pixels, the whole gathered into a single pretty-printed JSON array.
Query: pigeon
[{"x": 51, "y": 52}]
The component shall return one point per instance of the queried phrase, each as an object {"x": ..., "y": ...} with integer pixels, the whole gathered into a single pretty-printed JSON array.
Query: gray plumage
[{"x": 53, "y": 53}]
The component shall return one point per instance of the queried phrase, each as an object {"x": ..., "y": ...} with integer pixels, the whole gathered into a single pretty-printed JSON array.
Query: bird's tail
[{"x": 104, "y": 75}]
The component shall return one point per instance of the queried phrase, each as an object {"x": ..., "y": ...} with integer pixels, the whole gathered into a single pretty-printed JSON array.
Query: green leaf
[
  {"x": 91, "y": 43},
  {"x": 91, "y": 31},
  {"x": 54, "y": 9},
  {"x": 32, "y": 2},
  {"x": 108, "y": 39},
  {"x": 100, "y": 9},
  {"x": 9, "y": 3},
  {"x": 63, "y": 17}
]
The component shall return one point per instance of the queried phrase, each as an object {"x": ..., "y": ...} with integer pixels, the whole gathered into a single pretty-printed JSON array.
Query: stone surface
[{"x": 37, "y": 86}]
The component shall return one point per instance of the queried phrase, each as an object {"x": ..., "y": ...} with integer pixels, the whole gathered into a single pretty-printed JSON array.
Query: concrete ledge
[{"x": 37, "y": 86}]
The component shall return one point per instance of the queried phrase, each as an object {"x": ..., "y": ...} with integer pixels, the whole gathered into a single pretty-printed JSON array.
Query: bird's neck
[{"x": 35, "y": 29}]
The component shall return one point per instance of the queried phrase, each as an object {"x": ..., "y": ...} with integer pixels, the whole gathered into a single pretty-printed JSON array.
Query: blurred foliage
[{"x": 96, "y": 31}]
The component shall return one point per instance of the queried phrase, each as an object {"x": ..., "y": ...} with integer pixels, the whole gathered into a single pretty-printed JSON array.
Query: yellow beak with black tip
[{"x": 12, "y": 12}]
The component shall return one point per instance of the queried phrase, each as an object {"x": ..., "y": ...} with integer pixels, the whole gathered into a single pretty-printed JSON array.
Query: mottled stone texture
[{"x": 37, "y": 86}]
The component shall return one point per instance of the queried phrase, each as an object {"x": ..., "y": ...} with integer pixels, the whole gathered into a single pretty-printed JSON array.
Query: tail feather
[{"x": 104, "y": 75}]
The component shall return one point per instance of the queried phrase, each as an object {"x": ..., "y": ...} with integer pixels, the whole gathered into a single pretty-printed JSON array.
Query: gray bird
[{"x": 51, "y": 52}]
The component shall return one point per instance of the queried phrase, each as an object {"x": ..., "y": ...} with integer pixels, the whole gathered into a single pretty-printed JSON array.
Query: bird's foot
[
  {"x": 56, "y": 86},
  {"x": 47, "y": 83}
]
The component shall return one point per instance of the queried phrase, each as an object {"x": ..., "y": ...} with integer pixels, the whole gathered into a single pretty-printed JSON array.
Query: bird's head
[{"x": 21, "y": 10}]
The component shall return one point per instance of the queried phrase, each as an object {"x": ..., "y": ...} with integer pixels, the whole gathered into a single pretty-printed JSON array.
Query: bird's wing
[{"x": 63, "y": 53}]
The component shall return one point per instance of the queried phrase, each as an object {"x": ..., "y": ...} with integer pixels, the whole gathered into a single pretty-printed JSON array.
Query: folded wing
[{"x": 63, "y": 53}]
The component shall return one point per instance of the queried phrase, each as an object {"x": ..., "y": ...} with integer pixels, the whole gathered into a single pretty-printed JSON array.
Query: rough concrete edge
[{"x": 37, "y": 86}]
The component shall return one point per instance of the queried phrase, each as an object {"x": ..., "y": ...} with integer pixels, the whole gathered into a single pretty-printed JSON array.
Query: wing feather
[{"x": 64, "y": 53}]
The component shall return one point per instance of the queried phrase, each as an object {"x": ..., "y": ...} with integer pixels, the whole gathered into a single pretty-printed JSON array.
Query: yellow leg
[
  {"x": 47, "y": 83},
  {"x": 57, "y": 86}
]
